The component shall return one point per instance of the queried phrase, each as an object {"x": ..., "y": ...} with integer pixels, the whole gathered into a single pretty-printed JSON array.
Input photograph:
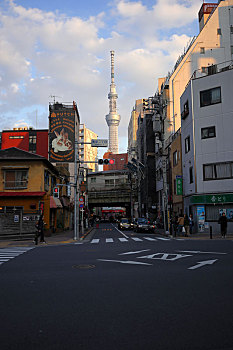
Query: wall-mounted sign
[
  {"x": 179, "y": 185},
  {"x": 99, "y": 143},
  {"x": 62, "y": 136}
]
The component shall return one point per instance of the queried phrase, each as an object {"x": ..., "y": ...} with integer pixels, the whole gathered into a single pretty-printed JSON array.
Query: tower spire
[{"x": 113, "y": 119}]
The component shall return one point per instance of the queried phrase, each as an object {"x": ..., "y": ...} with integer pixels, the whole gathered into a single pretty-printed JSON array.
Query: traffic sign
[
  {"x": 81, "y": 205},
  {"x": 81, "y": 200},
  {"x": 99, "y": 143}
]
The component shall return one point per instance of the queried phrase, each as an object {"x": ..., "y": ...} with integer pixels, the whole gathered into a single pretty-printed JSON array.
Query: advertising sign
[
  {"x": 62, "y": 136},
  {"x": 201, "y": 218}
]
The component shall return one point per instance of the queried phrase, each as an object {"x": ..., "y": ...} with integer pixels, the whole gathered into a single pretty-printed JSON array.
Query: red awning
[
  {"x": 55, "y": 203},
  {"x": 22, "y": 194}
]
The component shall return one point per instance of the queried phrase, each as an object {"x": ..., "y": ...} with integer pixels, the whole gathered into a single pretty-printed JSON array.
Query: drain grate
[{"x": 83, "y": 267}]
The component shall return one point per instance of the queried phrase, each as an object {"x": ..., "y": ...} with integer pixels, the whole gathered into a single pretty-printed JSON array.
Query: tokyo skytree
[{"x": 113, "y": 119}]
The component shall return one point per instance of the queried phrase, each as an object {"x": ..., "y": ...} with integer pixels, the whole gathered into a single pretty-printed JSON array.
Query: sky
[{"x": 62, "y": 48}]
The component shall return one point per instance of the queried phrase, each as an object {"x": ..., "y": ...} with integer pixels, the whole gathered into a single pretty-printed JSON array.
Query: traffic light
[
  {"x": 106, "y": 161},
  {"x": 56, "y": 192}
]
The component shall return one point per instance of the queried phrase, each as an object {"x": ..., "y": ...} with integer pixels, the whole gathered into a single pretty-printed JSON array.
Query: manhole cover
[{"x": 83, "y": 267}]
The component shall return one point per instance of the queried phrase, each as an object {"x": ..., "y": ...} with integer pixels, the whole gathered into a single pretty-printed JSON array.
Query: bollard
[{"x": 210, "y": 232}]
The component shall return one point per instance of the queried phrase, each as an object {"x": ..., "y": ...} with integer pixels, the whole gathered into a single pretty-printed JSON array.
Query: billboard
[{"x": 62, "y": 136}]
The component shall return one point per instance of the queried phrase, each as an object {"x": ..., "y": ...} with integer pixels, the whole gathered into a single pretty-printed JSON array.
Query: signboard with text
[
  {"x": 179, "y": 187},
  {"x": 99, "y": 143},
  {"x": 62, "y": 136}
]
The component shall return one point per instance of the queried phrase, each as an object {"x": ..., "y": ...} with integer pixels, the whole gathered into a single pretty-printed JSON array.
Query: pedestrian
[
  {"x": 180, "y": 223},
  {"x": 186, "y": 225},
  {"x": 40, "y": 230},
  {"x": 223, "y": 224},
  {"x": 191, "y": 224}
]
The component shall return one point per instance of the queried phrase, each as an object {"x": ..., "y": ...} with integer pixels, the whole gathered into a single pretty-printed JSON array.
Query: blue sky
[{"x": 62, "y": 48}]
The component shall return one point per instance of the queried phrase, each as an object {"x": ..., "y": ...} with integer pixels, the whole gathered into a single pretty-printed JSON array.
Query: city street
[{"x": 118, "y": 290}]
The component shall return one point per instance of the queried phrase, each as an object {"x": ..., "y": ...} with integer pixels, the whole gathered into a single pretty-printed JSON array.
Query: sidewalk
[
  {"x": 196, "y": 236},
  {"x": 64, "y": 237}
]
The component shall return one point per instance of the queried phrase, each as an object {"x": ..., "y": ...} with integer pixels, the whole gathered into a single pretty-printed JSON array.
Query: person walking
[
  {"x": 40, "y": 230},
  {"x": 191, "y": 224},
  {"x": 223, "y": 224},
  {"x": 180, "y": 223}
]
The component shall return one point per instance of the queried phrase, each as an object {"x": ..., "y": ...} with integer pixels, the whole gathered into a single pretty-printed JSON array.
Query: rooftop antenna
[{"x": 53, "y": 96}]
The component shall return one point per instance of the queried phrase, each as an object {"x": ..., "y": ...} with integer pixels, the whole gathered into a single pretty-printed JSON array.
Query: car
[
  {"x": 143, "y": 225},
  {"x": 124, "y": 224}
]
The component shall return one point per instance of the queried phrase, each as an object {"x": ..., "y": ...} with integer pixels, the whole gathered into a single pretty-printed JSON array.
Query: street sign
[
  {"x": 179, "y": 187},
  {"x": 99, "y": 143},
  {"x": 81, "y": 205},
  {"x": 81, "y": 200}
]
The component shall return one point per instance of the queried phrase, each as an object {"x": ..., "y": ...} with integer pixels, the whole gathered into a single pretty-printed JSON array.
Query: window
[
  {"x": 219, "y": 31},
  {"x": 46, "y": 180},
  {"x": 93, "y": 180},
  {"x": 231, "y": 29},
  {"x": 218, "y": 171},
  {"x": 109, "y": 183},
  {"x": 207, "y": 133},
  {"x": 187, "y": 144},
  {"x": 175, "y": 158},
  {"x": 32, "y": 143},
  {"x": 16, "y": 137},
  {"x": 16, "y": 179},
  {"x": 185, "y": 112},
  {"x": 191, "y": 175},
  {"x": 210, "y": 97},
  {"x": 204, "y": 70},
  {"x": 202, "y": 50}
]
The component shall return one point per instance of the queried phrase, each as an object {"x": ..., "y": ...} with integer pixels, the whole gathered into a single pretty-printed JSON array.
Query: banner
[{"x": 62, "y": 136}]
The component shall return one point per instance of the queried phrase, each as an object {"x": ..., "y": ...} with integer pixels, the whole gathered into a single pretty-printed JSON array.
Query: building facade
[
  {"x": 27, "y": 139},
  {"x": 86, "y": 152},
  {"x": 207, "y": 152}
]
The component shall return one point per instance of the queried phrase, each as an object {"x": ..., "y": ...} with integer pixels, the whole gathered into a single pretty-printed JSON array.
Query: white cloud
[{"x": 46, "y": 53}]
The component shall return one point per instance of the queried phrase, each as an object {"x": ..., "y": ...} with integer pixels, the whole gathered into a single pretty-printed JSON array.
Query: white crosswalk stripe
[
  {"x": 123, "y": 240},
  {"x": 109, "y": 240},
  {"x": 7, "y": 254}
]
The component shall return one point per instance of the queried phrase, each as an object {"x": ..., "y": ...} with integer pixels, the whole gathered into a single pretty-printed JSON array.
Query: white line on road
[
  {"x": 150, "y": 239},
  {"x": 125, "y": 262},
  {"x": 198, "y": 252},
  {"x": 139, "y": 251},
  {"x": 163, "y": 239},
  {"x": 136, "y": 239},
  {"x": 120, "y": 231}
]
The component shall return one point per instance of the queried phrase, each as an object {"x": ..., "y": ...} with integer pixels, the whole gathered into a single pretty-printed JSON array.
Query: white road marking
[
  {"x": 150, "y": 239},
  {"x": 136, "y": 239},
  {"x": 164, "y": 256},
  {"x": 202, "y": 263},
  {"x": 198, "y": 252},
  {"x": 95, "y": 241},
  {"x": 109, "y": 240},
  {"x": 139, "y": 251},
  {"x": 123, "y": 239},
  {"x": 120, "y": 231},
  {"x": 125, "y": 262},
  {"x": 7, "y": 254},
  {"x": 163, "y": 239}
]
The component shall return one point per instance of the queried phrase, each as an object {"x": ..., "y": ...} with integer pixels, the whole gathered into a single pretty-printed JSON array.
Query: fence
[{"x": 17, "y": 223}]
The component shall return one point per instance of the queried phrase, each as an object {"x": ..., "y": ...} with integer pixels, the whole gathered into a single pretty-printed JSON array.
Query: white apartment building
[
  {"x": 213, "y": 45},
  {"x": 207, "y": 148},
  {"x": 86, "y": 152}
]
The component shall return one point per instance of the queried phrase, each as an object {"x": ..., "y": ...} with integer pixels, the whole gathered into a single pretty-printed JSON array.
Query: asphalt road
[{"x": 118, "y": 291}]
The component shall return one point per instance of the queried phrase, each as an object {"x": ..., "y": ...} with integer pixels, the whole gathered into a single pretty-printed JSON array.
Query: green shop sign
[
  {"x": 179, "y": 185},
  {"x": 212, "y": 199}
]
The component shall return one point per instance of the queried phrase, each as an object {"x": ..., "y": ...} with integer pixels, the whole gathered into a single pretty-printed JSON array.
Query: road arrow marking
[
  {"x": 125, "y": 262},
  {"x": 202, "y": 263},
  {"x": 139, "y": 251}
]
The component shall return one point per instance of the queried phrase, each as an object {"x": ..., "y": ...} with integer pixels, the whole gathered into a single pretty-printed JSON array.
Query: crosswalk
[
  {"x": 7, "y": 254},
  {"x": 128, "y": 239}
]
